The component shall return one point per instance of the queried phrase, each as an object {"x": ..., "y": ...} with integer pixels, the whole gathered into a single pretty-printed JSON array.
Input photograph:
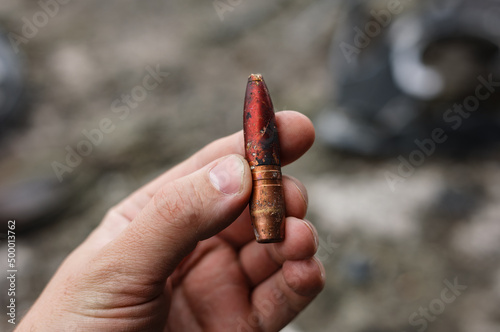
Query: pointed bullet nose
[
  {"x": 255, "y": 77},
  {"x": 261, "y": 133}
]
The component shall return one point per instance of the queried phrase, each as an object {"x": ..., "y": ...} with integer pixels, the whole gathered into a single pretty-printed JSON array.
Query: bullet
[{"x": 262, "y": 151}]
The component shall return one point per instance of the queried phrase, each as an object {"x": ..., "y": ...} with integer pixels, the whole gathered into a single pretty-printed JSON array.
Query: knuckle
[{"x": 179, "y": 205}]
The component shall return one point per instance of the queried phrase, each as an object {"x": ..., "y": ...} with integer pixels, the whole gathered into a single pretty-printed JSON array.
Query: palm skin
[
  {"x": 215, "y": 293},
  {"x": 212, "y": 294}
]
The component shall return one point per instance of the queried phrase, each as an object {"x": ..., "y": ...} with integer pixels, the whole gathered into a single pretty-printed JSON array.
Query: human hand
[{"x": 179, "y": 254}]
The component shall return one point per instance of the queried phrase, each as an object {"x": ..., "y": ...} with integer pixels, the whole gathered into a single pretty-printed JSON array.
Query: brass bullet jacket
[{"x": 267, "y": 205}]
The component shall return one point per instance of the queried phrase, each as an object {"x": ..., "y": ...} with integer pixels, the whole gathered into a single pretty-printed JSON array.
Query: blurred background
[{"x": 97, "y": 98}]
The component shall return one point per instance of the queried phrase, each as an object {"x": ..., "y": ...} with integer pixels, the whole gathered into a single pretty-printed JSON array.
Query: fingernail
[
  {"x": 321, "y": 268},
  {"x": 313, "y": 231},
  {"x": 227, "y": 175},
  {"x": 298, "y": 186}
]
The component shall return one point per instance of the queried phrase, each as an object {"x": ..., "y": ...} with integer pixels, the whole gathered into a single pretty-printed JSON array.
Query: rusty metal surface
[
  {"x": 262, "y": 150},
  {"x": 261, "y": 134},
  {"x": 267, "y": 204}
]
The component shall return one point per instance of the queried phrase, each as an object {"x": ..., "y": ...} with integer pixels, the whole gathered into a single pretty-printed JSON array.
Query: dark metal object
[
  {"x": 398, "y": 76},
  {"x": 262, "y": 150}
]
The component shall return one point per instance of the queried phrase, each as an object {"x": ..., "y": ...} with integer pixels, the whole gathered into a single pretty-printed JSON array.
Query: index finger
[{"x": 296, "y": 134}]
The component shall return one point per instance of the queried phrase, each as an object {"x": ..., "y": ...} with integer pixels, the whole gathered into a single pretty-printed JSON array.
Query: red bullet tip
[{"x": 261, "y": 134}]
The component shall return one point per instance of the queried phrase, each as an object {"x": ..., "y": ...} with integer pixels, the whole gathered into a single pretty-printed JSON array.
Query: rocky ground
[{"x": 389, "y": 254}]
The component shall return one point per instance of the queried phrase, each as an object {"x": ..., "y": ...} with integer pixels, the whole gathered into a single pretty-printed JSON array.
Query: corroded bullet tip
[
  {"x": 255, "y": 77},
  {"x": 262, "y": 150},
  {"x": 261, "y": 134}
]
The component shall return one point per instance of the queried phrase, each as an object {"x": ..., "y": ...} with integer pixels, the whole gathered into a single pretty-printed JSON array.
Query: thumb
[{"x": 180, "y": 214}]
